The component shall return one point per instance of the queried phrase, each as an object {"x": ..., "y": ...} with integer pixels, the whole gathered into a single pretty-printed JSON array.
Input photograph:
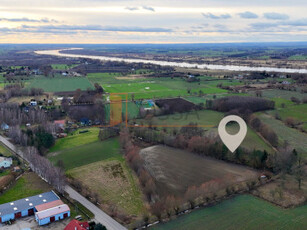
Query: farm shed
[
  {"x": 5, "y": 162},
  {"x": 51, "y": 212},
  {"x": 24, "y": 207},
  {"x": 77, "y": 225}
]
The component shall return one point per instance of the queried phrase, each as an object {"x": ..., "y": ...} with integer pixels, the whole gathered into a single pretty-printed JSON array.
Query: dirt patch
[{"x": 176, "y": 170}]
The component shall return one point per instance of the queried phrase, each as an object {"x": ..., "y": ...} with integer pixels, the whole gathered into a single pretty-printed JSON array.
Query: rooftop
[
  {"x": 48, "y": 205},
  {"x": 52, "y": 211},
  {"x": 27, "y": 203},
  {"x": 5, "y": 159}
]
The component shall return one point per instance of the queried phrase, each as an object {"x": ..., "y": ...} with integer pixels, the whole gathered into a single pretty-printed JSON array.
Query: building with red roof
[{"x": 77, "y": 225}]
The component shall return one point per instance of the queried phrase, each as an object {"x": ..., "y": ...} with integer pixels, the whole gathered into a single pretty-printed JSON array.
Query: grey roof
[{"x": 27, "y": 203}]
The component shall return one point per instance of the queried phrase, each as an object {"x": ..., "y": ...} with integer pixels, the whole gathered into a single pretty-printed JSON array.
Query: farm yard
[
  {"x": 241, "y": 212},
  {"x": 176, "y": 170}
]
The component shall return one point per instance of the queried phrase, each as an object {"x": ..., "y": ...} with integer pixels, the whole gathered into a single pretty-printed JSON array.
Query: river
[{"x": 174, "y": 64}]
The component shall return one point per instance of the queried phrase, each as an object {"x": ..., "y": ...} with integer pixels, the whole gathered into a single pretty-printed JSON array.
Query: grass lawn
[
  {"x": 88, "y": 153},
  {"x": 62, "y": 66},
  {"x": 59, "y": 84},
  {"x": 4, "y": 151},
  {"x": 241, "y": 212},
  {"x": 114, "y": 181},
  {"x": 294, "y": 137},
  {"x": 76, "y": 139},
  {"x": 27, "y": 185},
  {"x": 285, "y": 94},
  {"x": 298, "y": 112}
]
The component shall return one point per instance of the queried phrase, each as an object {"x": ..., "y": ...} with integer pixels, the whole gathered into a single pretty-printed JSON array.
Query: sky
[{"x": 155, "y": 21}]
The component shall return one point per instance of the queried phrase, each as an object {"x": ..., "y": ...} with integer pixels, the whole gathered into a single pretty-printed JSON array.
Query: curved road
[{"x": 100, "y": 216}]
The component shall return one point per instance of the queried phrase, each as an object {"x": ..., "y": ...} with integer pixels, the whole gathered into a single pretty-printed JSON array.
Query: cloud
[
  {"x": 212, "y": 16},
  {"x": 44, "y": 20},
  {"x": 94, "y": 28},
  {"x": 275, "y": 16},
  {"x": 132, "y": 8},
  {"x": 299, "y": 22},
  {"x": 248, "y": 15},
  {"x": 148, "y": 8}
]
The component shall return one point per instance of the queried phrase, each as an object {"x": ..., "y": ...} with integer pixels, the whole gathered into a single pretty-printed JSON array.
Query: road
[{"x": 100, "y": 216}]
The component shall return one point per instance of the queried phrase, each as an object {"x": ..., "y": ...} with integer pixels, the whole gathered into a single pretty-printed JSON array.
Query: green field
[
  {"x": 285, "y": 94},
  {"x": 298, "y": 57},
  {"x": 88, "y": 153},
  {"x": 4, "y": 151},
  {"x": 27, "y": 185},
  {"x": 59, "y": 84},
  {"x": 241, "y": 212},
  {"x": 294, "y": 137},
  {"x": 132, "y": 110},
  {"x": 210, "y": 120},
  {"x": 62, "y": 66},
  {"x": 156, "y": 87},
  {"x": 298, "y": 112},
  {"x": 76, "y": 139}
]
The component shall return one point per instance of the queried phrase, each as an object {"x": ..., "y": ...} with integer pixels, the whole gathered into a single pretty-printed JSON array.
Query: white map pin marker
[{"x": 232, "y": 141}]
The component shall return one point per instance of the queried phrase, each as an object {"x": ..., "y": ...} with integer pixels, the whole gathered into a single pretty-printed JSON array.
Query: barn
[{"x": 25, "y": 207}]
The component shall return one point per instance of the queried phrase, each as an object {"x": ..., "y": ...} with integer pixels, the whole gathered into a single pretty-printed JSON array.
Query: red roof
[
  {"x": 60, "y": 122},
  {"x": 48, "y": 205},
  {"x": 77, "y": 225}
]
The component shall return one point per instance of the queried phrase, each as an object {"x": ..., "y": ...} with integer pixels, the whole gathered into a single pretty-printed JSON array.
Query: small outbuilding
[
  {"x": 51, "y": 212},
  {"x": 5, "y": 162}
]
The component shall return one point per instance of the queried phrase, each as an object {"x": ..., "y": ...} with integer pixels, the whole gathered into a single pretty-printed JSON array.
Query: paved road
[{"x": 100, "y": 216}]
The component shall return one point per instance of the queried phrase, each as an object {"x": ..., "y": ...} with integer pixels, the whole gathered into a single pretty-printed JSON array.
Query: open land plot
[
  {"x": 175, "y": 170},
  {"x": 88, "y": 153},
  {"x": 294, "y": 137},
  {"x": 298, "y": 112},
  {"x": 154, "y": 87},
  {"x": 285, "y": 94},
  {"x": 59, "y": 84},
  {"x": 284, "y": 194},
  {"x": 62, "y": 66},
  {"x": 76, "y": 139},
  {"x": 209, "y": 120},
  {"x": 27, "y": 185},
  {"x": 131, "y": 112},
  {"x": 114, "y": 182},
  {"x": 241, "y": 212}
]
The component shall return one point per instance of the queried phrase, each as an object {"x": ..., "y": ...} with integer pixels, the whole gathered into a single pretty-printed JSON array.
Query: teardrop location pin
[{"x": 232, "y": 141}]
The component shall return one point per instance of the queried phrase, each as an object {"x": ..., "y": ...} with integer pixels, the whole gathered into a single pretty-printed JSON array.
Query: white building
[{"x": 5, "y": 162}]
